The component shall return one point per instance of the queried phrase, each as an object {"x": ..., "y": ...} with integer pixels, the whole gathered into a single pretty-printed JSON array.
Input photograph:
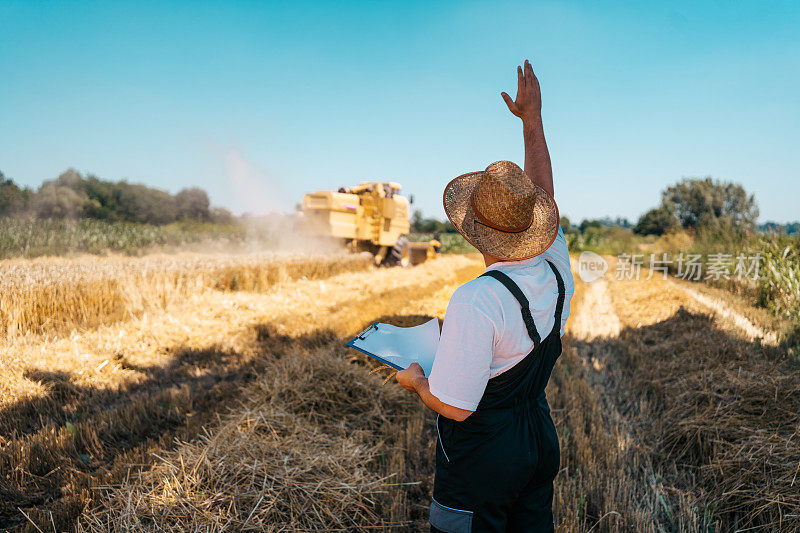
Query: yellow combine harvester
[{"x": 372, "y": 217}]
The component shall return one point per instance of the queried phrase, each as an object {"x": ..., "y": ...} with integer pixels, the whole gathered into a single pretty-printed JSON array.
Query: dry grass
[
  {"x": 717, "y": 412},
  {"x": 87, "y": 411},
  {"x": 56, "y": 294},
  {"x": 300, "y": 453},
  {"x": 681, "y": 421},
  {"x": 243, "y": 411},
  {"x": 319, "y": 444}
]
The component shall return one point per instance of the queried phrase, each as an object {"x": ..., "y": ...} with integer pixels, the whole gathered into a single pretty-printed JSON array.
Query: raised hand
[{"x": 528, "y": 105}]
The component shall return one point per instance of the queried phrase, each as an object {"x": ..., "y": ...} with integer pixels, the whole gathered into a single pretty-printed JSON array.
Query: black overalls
[{"x": 495, "y": 470}]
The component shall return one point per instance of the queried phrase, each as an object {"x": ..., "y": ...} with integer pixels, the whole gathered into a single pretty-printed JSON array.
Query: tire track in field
[
  {"x": 595, "y": 316},
  {"x": 607, "y": 482},
  {"x": 723, "y": 310}
]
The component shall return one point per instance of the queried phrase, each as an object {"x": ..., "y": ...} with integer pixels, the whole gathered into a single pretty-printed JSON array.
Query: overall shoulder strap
[
  {"x": 523, "y": 302},
  {"x": 560, "y": 303}
]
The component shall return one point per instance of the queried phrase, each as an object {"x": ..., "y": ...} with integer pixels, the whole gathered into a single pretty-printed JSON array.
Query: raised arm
[{"x": 528, "y": 107}]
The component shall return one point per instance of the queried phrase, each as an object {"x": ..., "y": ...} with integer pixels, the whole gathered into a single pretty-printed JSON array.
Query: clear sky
[{"x": 258, "y": 102}]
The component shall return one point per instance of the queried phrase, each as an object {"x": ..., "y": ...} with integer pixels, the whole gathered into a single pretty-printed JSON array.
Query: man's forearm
[
  {"x": 528, "y": 107},
  {"x": 537, "y": 157},
  {"x": 423, "y": 389}
]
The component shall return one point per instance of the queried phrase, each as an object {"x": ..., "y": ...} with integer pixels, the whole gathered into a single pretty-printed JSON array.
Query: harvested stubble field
[
  {"x": 242, "y": 410},
  {"x": 56, "y": 294}
]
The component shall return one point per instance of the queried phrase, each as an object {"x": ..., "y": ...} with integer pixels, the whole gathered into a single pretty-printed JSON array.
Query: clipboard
[{"x": 398, "y": 347}]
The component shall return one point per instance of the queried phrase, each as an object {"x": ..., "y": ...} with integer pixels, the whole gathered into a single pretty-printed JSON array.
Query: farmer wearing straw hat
[{"x": 497, "y": 452}]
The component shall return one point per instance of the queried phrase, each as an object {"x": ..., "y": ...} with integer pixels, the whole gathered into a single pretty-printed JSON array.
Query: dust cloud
[{"x": 271, "y": 220}]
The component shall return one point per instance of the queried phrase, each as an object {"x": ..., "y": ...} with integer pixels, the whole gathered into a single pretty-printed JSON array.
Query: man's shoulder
[{"x": 479, "y": 291}]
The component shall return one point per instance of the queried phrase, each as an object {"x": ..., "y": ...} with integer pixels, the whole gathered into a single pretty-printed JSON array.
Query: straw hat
[{"x": 501, "y": 212}]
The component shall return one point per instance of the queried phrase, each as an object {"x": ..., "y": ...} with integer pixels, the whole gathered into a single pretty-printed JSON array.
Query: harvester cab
[{"x": 371, "y": 216}]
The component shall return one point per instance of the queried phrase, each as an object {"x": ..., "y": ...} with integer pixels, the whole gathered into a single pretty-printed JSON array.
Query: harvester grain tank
[{"x": 372, "y": 217}]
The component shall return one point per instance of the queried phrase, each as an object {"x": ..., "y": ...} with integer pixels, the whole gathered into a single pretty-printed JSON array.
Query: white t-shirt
[{"x": 483, "y": 334}]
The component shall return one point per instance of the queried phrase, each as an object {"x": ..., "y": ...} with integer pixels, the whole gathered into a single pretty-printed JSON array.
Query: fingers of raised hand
[
  {"x": 509, "y": 102},
  {"x": 530, "y": 78}
]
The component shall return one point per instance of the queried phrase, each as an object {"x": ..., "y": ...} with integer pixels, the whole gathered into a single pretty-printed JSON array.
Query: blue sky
[{"x": 258, "y": 102}]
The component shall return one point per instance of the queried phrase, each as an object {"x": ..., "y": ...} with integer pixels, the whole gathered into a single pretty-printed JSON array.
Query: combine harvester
[{"x": 371, "y": 217}]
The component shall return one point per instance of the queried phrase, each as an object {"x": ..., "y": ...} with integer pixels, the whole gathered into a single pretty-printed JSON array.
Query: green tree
[
  {"x": 53, "y": 200},
  {"x": 103, "y": 198},
  {"x": 657, "y": 221},
  {"x": 63, "y": 197},
  {"x": 586, "y": 224},
  {"x": 707, "y": 202},
  {"x": 193, "y": 204},
  {"x": 417, "y": 221},
  {"x": 13, "y": 199},
  {"x": 146, "y": 205},
  {"x": 429, "y": 225},
  {"x": 220, "y": 215},
  {"x": 71, "y": 195}
]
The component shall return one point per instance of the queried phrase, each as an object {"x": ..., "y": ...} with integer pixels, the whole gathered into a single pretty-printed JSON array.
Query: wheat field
[
  {"x": 188, "y": 394},
  {"x": 55, "y": 294}
]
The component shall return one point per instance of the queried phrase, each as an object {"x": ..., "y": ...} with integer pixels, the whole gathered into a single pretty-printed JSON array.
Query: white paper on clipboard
[{"x": 399, "y": 347}]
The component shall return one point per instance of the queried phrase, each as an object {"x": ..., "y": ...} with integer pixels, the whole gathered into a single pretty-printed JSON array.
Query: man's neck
[{"x": 489, "y": 259}]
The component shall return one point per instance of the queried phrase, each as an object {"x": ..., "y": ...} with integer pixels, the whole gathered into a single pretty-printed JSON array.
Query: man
[{"x": 497, "y": 452}]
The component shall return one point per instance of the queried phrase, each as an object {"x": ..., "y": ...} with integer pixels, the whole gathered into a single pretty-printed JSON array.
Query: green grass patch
[
  {"x": 452, "y": 243},
  {"x": 29, "y": 237}
]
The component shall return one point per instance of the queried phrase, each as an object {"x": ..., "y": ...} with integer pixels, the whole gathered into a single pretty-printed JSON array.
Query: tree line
[
  {"x": 692, "y": 203},
  {"x": 72, "y": 195}
]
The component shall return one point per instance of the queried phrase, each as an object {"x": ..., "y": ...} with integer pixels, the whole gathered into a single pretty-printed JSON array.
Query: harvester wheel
[{"x": 400, "y": 254}]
